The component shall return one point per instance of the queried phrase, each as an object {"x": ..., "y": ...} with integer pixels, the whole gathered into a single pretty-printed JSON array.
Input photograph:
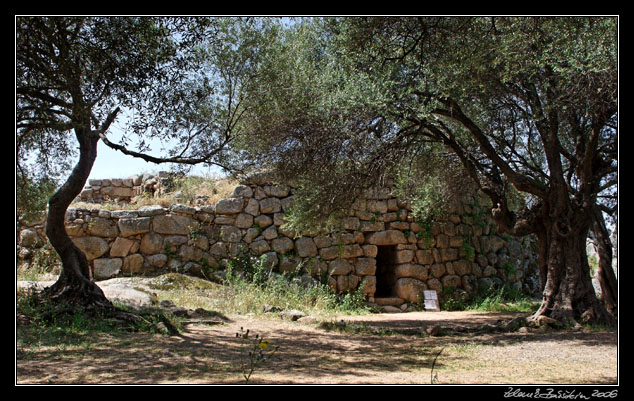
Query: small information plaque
[{"x": 431, "y": 301}]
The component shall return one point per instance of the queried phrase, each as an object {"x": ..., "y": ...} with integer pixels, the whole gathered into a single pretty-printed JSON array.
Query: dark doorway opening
[{"x": 385, "y": 277}]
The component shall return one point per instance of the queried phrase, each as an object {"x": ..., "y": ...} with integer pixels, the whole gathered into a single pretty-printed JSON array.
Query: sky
[
  {"x": 111, "y": 163},
  {"x": 114, "y": 164}
]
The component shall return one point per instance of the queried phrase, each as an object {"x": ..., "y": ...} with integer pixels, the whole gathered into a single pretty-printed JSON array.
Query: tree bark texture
[
  {"x": 606, "y": 276},
  {"x": 569, "y": 296}
]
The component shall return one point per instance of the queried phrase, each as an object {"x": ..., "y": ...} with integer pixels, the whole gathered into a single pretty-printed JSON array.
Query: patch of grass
[
  {"x": 251, "y": 285},
  {"x": 43, "y": 264},
  {"x": 42, "y": 322},
  {"x": 493, "y": 299}
]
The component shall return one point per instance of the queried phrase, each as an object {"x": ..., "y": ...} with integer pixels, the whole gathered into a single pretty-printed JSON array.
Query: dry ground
[{"x": 310, "y": 354}]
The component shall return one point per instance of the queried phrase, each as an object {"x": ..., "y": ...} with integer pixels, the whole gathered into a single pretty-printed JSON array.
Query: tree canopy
[{"x": 520, "y": 104}]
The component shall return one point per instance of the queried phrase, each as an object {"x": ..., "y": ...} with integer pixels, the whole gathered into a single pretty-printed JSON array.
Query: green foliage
[{"x": 32, "y": 198}]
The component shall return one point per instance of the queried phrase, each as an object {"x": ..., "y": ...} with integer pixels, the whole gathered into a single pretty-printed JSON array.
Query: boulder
[
  {"x": 125, "y": 294},
  {"x": 29, "y": 238},
  {"x": 292, "y": 315}
]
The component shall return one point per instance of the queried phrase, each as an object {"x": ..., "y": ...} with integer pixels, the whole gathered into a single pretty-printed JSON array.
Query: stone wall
[
  {"x": 380, "y": 248},
  {"x": 122, "y": 190}
]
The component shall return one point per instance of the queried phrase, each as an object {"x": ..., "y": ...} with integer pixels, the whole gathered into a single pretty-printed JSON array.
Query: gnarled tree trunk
[
  {"x": 569, "y": 296},
  {"x": 74, "y": 283}
]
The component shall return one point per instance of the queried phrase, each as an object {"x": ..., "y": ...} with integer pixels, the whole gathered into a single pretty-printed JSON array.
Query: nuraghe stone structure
[{"x": 380, "y": 249}]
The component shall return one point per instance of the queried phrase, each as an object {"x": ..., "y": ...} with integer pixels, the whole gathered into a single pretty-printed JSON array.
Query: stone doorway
[{"x": 385, "y": 275}]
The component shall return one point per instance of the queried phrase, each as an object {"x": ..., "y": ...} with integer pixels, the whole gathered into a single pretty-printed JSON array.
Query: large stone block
[
  {"x": 368, "y": 285},
  {"x": 242, "y": 191},
  {"x": 404, "y": 256},
  {"x": 424, "y": 257},
  {"x": 133, "y": 263},
  {"x": 134, "y": 226},
  {"x": 244, "y": 220},
  {"x": 387, "y": 237},
  {"x": 366, "y": 266},
  {"x": 106, "y": 268},
  {"x": 151, "y": 243},
  {"x": 259, "y": 247},
  {"x": 451, "y": 281},
  {"x": 229, "y": 206},
  {"x": 172, "y": 224},
  {"x": 305, "y": 247},
  {"x": 270, "y": 205},
  {"x": 92, "y": 247},
  {"x": 339, "y": 267},
  {"x": 230, "y": 234},
  {"x": 412, "y": 271},
  {"x": 277, "y": 191},
  {"x": 100, "y": 227},
  {"x": 121, "y": 247},
  {"x": 409, "y": 289},
  {"x": 282, "y": 245}
]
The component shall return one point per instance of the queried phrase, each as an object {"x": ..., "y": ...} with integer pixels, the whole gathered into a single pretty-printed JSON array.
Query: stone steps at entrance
[{"x": 389, "y": 301}]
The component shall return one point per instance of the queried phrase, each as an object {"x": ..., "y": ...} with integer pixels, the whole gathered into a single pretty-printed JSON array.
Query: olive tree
[
  {"x": 522, "y": 104},
  {"x": 177, "y": 80}
]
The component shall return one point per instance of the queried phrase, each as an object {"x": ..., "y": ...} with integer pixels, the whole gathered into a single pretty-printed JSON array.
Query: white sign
[{"x": 431, "y": 301}]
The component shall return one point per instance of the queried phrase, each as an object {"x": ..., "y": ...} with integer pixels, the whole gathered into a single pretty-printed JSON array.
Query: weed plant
[{"x": 256, "y": 351}]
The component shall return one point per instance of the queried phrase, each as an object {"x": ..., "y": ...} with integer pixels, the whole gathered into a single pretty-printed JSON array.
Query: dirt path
[{"x": 310, "y": 354}]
